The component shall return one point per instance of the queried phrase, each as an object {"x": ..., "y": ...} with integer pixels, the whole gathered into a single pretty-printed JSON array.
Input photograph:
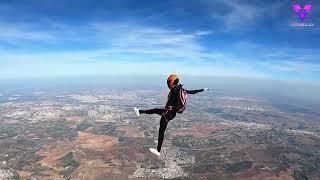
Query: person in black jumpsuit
[{"x": 169, "y": 112}]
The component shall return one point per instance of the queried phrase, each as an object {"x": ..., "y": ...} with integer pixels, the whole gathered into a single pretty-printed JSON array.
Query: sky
[{"x": 234, "y": 38}]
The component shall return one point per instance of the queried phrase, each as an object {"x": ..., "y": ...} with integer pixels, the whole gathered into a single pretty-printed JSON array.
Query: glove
[{"x": 206, "y": 89}]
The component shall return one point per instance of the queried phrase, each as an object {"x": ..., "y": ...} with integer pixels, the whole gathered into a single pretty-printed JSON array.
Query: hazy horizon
[{"x": 294, "y": 90}]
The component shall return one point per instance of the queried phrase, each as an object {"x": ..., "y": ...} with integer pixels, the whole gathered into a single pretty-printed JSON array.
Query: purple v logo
[{"x": 302, "y": 12}]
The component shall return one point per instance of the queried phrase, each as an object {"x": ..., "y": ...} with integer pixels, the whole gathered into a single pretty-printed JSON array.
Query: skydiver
[{"x": 176, "y": 103}]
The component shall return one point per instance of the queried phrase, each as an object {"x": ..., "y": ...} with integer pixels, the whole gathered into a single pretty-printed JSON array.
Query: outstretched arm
[{"x": 196, "y": 91}]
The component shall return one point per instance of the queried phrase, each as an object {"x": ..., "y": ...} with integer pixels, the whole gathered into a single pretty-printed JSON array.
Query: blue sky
[{"x": 237, "y": 38}]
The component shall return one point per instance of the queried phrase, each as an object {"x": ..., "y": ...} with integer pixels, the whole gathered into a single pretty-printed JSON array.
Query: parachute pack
[{"x": 182, "y": 100}]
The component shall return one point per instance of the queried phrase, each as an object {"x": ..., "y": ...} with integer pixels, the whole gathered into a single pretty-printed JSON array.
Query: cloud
[
  {"x": 137, "y": 48},
  {"x": 277, "y": 53},
  {"x": 139, "y": 44},
  {"x": 150, "y": 40},
  {"x": 111, "y": 45},
  {"x": 201, "y": 33},
  {"x": 18, "y": 32},
  {"x": 110, "y": 38},
  {"x": 293, "y": 66},
  {"x": 236, "y": 15},
  {"x": 88, "y": 63},
  {"x": 273, "y": 59}
]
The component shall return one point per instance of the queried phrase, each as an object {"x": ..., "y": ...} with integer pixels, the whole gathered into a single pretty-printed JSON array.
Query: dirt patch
[
  {"x": 265, "y": 174},
  {"x": 260, "y": 156},
  {"x": 96, "y": 142},
  {"x": 52, "y": 152},
  {"x": 74, "y": 118},
  {"x": 131, "y": 132}
]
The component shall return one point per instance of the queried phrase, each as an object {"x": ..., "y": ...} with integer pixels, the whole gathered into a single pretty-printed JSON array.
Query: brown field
[
  {"x": 259, "y": 155},
  {"x": 96, "y": 142},
  {"x": 256, "y": 174},
  {"x": 87, "y": 142},
  {"x": 52, "y": 152},
  {"x": 131, "y": 132},
  {"x": 74, "y": 118}
]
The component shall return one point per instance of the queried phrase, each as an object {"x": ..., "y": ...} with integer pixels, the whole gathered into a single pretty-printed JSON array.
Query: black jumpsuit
[{"x": 167, "y": 113}]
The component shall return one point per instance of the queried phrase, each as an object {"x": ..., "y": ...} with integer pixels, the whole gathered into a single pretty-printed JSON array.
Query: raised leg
[{"x": 158, "y": 111}]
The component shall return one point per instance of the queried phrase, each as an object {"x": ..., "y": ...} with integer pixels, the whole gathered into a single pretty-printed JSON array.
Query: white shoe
[
  {"x": 136, "y": 110},
  {"x": 154, "y": 151},
  {"x": 206, "y": 89}
]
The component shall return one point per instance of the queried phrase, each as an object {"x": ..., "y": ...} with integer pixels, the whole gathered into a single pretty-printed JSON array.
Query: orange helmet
[{"x": 172, "y": 80}]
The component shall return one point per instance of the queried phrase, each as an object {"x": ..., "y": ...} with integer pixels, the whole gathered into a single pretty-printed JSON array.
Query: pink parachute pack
[{"x": 182, "y": 100}]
